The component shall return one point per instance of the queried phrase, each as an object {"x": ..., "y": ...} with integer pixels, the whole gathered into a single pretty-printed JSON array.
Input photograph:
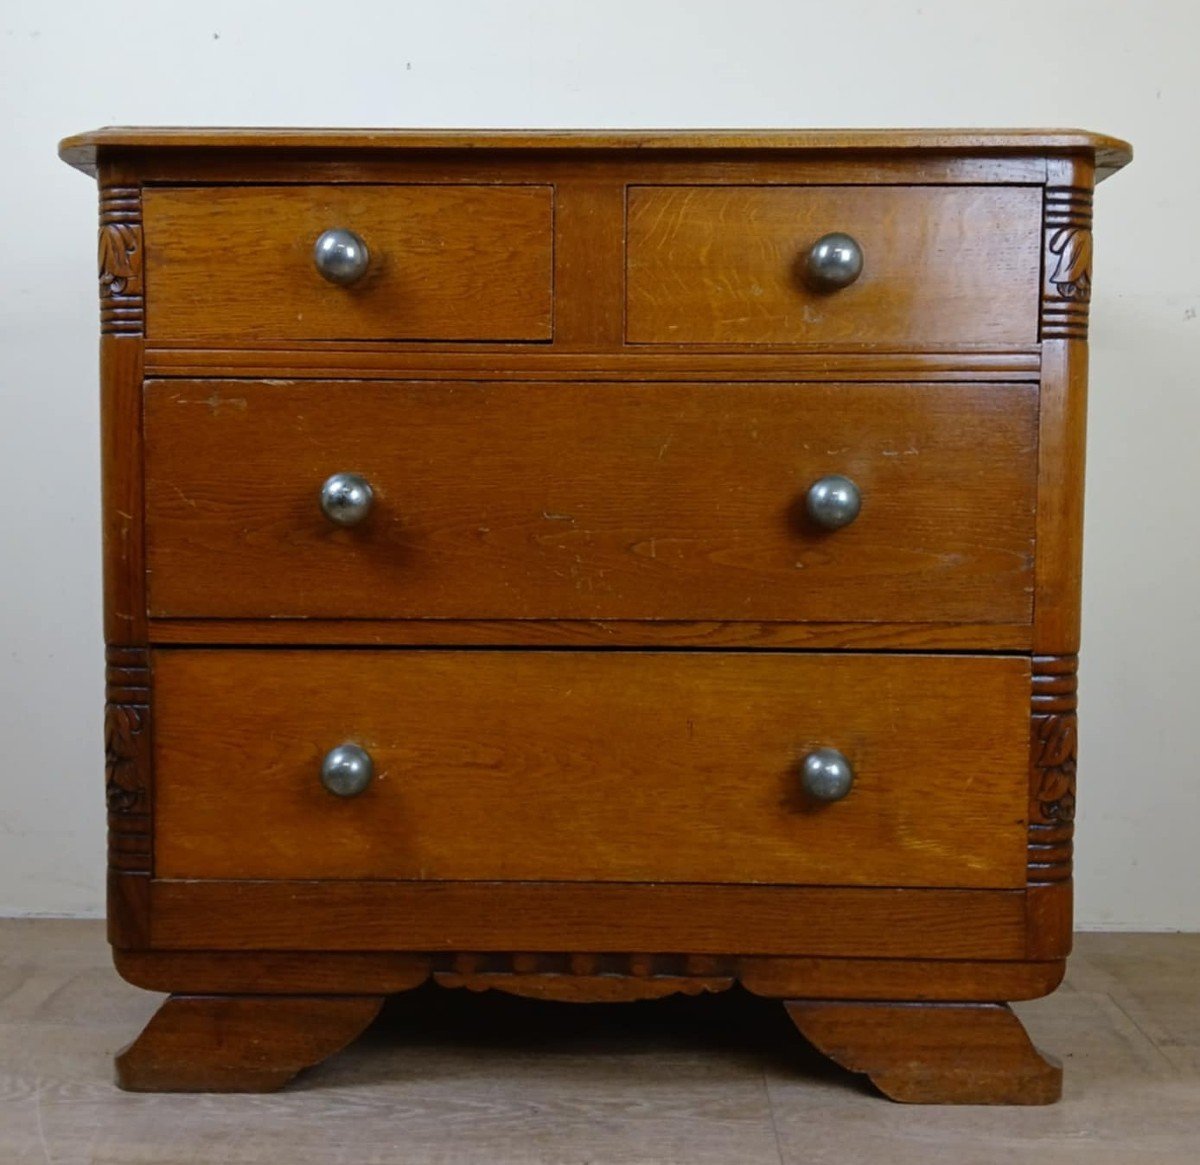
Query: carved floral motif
[
  {"x": 125, "y": 791},
  {"x": 120, "y": 259},
  {"x": 1053, "y": 760},
  {"x": 1072, "y": 277}
]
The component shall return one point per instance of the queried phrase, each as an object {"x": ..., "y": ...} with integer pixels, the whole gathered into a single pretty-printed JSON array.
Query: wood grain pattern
[
  {"x": 129, "y": 793},
  {"x": 922, "y": 1053},
  {"x": 1062, "y": 434},
  {"x": 941, "y": 980},
  {"x": 834, "y": 921},
  {"x": 589, "y": 262},
  {"x": 587, "y": 978},
  {"x": 1049, "y": 920},
  {"x": 565, "y": 975},
  {"x": 83, "y": 150},
  {"x": 590, "y": 633},
  {"x": 1062, "y": 439},
  {"x": 121, "y": 490},
  {"x": 713, "y": 265},
  {"x": 349, "y": 360},
  {"x": 584, "y": 766},
  {"x": 246, "y": 1043},
  {"x": 472, "y": 168},
  {"x": 464, "y": 263},
  {"x": 573, "y": 501}
]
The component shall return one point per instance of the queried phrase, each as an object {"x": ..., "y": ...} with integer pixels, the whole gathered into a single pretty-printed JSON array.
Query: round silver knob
[
  {"x": 834, "y": 261},
  {"x": 833, "y": 502},
  {"x": 346, "y": 498},
  {"x": 826, "y": 775},
  {"x": 347, "y": 770},
  {"x": 341, "y": 256}
]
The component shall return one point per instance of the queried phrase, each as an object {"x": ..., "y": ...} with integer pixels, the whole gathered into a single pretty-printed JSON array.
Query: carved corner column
[
  {"x": 129, "y": 793},
  {"x": 127, "y": 714},
  {"x": 122, "y": 291},
  {"x": 1067, "y": 255},
  {"x": 1052, "y": 752},
  {"x": 1062, "y": 431}
]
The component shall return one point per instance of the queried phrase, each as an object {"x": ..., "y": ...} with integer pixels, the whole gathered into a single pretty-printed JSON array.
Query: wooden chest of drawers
[{"x": 593, "y": 566}]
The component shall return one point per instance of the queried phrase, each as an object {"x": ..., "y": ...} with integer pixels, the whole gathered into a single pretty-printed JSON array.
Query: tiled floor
[{"x": 455, "y": 1078}]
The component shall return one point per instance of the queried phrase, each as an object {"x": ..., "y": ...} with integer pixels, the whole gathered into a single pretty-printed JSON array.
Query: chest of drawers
[{"x": 594, "y": 567}]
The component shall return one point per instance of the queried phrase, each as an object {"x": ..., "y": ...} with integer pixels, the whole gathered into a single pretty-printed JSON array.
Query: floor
[{"x": 455, "y": 1078}]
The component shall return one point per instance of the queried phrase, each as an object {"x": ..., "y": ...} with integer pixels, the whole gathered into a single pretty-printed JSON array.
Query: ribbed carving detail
[
  {"x": 127, "y": 760},
  {"x": 553, "y": 963},
  {"x": 1067, "y": 262},
  {"x": 122, "y": 293},
  {"x": 585, "y": 976},
  {"x": 1052, "y": 753}
]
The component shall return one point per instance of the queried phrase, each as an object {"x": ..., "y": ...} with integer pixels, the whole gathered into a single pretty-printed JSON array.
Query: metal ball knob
[
  {"x": 341, "y": 256},
  {"x": 833, "y": 502},
  {"x": 346, "y": 498},
  {"x": 834, "y": 261},
  {"x": 347, "y": 770},
  {"x": 826, "y": 775}
]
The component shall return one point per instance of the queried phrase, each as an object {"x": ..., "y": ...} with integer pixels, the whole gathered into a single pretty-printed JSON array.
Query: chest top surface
[{"x": 85, "y": 150}]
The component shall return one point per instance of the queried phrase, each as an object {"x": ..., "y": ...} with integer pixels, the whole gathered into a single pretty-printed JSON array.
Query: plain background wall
[{"x": 1112, "y": 65}]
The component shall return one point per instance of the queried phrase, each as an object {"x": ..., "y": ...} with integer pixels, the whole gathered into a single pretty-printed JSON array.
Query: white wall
[{"x": 1126, "y": 68}]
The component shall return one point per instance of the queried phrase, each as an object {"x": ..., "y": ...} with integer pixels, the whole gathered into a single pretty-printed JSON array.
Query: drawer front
[
  {"x": 444, "y": 263},
  {"x": 582, "y": 766},
  {"x": 726, "y": 265},
  {"x": 590, "y": 501}
]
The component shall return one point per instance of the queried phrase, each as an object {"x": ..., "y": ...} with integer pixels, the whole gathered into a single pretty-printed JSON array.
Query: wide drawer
[
  {"x": 445, "y": 263},
  {"x": 515, "y": 765},
  {"x": 590, "y": 501},
  {"x": 726, "y": 265}
]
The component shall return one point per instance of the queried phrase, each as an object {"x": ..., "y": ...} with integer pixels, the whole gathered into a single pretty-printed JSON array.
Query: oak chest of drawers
[{"x": 593, "y": 566}]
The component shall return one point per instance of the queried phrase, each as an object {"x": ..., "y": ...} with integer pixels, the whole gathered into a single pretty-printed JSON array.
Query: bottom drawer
[{"x": 592, "y": 766}]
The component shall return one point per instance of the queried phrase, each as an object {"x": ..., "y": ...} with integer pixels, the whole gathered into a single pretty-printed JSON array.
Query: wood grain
[
  {"x": 1062, "y": 438},
  {"x": 198, "y": 166},
  {"x": 447, "y": 263},
  {"x": 121, "y": 490},
  {"x": 129, "y": 793},
  {"x": 589, "y": 262},
  {"x": 82, "y": 150},
  {"x": 921, "y": 1053},
  {"x": 835, "y": 921},
  {"x": 574, "y": 501},
  {"x": 326, "y": 360},
  {"x": 244, "y": 1043},
  {"x": 714, "y": 265},
  {"x": 1049, "y": 920},
  {"x": 573, "y": 975},
  {"x": 590, "y": 633},
  {"x": 584, "y": 766}
]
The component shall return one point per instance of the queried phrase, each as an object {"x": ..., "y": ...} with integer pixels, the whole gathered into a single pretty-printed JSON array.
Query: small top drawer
[
  {"x": 441, "y": 263},
  {"x": 727, "y": 265}
]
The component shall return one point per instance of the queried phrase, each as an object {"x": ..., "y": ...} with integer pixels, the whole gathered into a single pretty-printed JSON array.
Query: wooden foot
[
  {"x": 933, "y": 1053},
  {"x": 240, "y": 1043}
]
